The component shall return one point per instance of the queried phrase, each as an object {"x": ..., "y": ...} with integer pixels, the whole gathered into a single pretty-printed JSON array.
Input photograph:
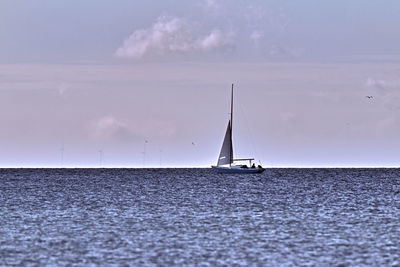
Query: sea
[{"x": 191, "y": 217}]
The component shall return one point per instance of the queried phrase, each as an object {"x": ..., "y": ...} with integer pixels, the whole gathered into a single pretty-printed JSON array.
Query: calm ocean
[{"x": 195, "y": 216}]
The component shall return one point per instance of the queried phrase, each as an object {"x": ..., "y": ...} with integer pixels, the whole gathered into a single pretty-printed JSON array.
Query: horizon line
[{"x": 203, "y": 167}]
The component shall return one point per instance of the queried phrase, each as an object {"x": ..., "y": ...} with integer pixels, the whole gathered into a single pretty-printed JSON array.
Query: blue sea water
[{"x": 283, "y": 217}]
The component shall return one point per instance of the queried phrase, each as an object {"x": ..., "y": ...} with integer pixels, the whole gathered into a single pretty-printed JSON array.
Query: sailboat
[{"x": 226, "y": 163}]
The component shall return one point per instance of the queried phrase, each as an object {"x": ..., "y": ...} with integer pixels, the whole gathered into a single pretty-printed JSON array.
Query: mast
[{"x": 231, "y": 154}]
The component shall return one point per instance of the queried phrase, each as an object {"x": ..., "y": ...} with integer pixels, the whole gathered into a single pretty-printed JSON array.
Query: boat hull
[{"x": 237, "y": 170}]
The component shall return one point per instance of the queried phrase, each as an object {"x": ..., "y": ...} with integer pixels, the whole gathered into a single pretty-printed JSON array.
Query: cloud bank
[
  {"x": 219, "y": 26},
  {"x": 171, "y": 35},
  {"x": 110, "y": 128}
]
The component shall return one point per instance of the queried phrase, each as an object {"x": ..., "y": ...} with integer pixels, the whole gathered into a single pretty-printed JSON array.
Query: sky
[{"x": 147, "y": 83}]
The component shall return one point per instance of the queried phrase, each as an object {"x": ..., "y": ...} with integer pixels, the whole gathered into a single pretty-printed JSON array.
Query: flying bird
[{"x": 369, "y": 96}]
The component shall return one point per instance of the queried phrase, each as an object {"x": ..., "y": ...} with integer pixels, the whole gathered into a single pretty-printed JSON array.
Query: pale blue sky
[
  {"x": 59, "y": 30},
  {"x": 108, "y": 75}
]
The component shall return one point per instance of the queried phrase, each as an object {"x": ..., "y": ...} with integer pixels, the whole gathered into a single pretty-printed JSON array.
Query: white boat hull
[{"x": 236, "y": 169}]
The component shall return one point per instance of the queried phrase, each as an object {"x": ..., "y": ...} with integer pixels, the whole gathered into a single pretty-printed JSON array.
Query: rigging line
[
  {"x": 249, "y": 131},
  {"x": 234, "y": 145}
]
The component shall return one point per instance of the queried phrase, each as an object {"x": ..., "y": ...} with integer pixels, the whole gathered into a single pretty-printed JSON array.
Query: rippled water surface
[{"x": 194, "y": 216}]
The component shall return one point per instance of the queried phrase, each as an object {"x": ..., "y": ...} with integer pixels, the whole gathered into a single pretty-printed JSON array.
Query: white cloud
[
  {"x": 216, "y": 39},
  {"x": 380, "y": 84},
  {"x": 210, "y": 3},
  {"x": 287, "y": 117},
  {"x": 386, "y": 91},
  {"x": 383, "y": 87},
  {"x": 63, "y": 88},
  {"x": 255, "y": 36},
  {"x": 223, "y": 24},
  {"x": 169, "y": 35},
  {"x": 109, "y": 128}
]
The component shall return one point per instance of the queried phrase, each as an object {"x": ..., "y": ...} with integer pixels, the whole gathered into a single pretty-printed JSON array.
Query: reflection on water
[{"x": 193, "y": 216}]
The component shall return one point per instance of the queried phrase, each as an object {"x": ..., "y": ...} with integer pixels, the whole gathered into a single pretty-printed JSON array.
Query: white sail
[{"x": 226, "y": 154}]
